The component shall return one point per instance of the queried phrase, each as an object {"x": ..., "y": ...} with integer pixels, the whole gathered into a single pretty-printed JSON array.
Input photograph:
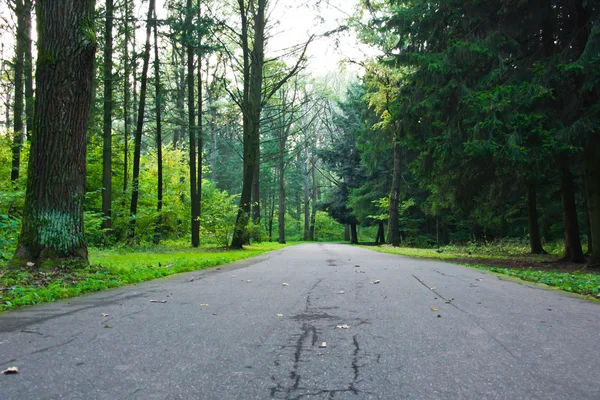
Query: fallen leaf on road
[
  {"x": 479, "y": 279},
  {"x": 341, "y": 292},
  {"x": 432, "y": 288},
  {"x": 104, "y": 315},
  {"x": 376, "y": 282},
  {"x": 343, "y": 326},
  {"x": 192, "y": 280},
  {"x": 279, "y": 315},
  {"x": 323, "y": 345},
  {"x": 285, "y": 284},
  {"x": 249, "y": 280},
  {"x": 158, "y": 301},
  {"x": 10, "y": 371},
  {"x": 203, "y": 305},
  {"x": 433, "y": 309}
]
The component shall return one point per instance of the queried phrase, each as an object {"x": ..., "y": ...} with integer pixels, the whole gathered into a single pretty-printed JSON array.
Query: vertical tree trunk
[
  {"x": 346, "y": 232},
  {"x": 306, "y": 192},
  {"x": 380, "y": 233},
  {"x": 158, "y": 101},
  {"x": 591, "y": 171},
  {"x": 28, "y": 69},
  {"x": 313, "y": 212},
  {"x": 353, "y": 234},
  {"x": 393, "y": 223},
  {"x": 281, "y": 172},
  {"x": 535, "y": 241},
  {"x": 52, "y": 226},
  {"x": 140, "y": 125},
  {"x": 18, "y": 81},
  {"x": 107, "y": 129},
  {"x": 195, "y": 205},
  {"x": 573, "y": 250},
  {"x": 126, "y": 95}
]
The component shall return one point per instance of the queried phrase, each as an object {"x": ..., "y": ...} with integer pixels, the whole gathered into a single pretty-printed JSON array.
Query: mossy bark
[{"x": 52, "y": 227}]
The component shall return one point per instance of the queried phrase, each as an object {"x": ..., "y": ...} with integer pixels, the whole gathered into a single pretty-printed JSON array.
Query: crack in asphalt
[
  {"x": 43, "y": 350},
  {"x": 471, "y": 317}
]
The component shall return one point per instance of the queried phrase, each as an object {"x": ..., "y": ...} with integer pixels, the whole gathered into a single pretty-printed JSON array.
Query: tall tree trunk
[
  {"x": 573, "y": 250},
  {"x": 313, "y": 212},
  {"x": 195, "y": 205},
  {"x": 158, "y": 101},
  {"x": 28, "y": 69},
  {"x": 306, "y": 192},
  {"x": 52, "y": 226},
  {"x": 140, "y": 125},
  {"x": 353, "y": 234},
  {"x": 18, "y": 80},
  {"x": 535, "y": 241},
  {"x": 393, "y": 223},
  {"x": 380, "y": 233},
  {"x": 107, "y": 131},
  {"x": 591, "y": 171},
  {"x": 346, "y": 232},
  {"x": 253, "y": 71},
  {"x": 126, "y": 95},
  {"x": 200, "y": 126}
]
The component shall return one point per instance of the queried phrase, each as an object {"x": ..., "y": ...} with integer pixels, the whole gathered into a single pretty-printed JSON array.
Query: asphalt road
[{"x": 428, "y": 330}]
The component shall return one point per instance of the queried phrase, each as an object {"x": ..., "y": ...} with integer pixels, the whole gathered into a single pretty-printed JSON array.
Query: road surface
[{"x": 428, "y": 330}]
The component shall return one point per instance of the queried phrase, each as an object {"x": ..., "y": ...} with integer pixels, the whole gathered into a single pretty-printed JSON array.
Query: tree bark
[
  {"x": 18, "y": 82},
  {"x": 306, "y": 192},
  {"x": 107, "y": 128},
  {"x": 393, "y": 222},
  {"x": 52, "y": 227},
  {"x": 535, "y": 241},
  {"x": 256, "y": 189},
  {"x": 313, "y": 212},
  {"x": 195, "y": 205},
  {"x": 353, "y": 234},
  {"x": 200, "y": 126},
  {"x": 591, "y": 171},
  {"x": 158, "y": 103},
  {"x": 380, "y": 239},
  {"x": 28, "y": 70},
  {"x": 573, "y": 250},
  {"x": 126, "y": 96},
  {"x": 281, "y": 217},
  {"x": 140, "y": 125},
  {"x": 346, "y": 232}
]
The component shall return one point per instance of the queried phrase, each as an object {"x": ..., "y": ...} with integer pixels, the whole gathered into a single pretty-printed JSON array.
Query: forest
[{"x": 130, "y": 123}]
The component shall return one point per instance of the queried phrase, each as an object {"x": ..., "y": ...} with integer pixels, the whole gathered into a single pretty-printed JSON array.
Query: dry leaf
[
  {"x": 249, "y": 280},
  {"x": 285, "y": 284},
  {"x": 433, "y": 309},
  {"x": 104, "y": 315},
  {"x": 343, "y": 326},
  {"x": 376, "y": 282},
  {"x": 10, "y": 371},
  {"x": 234, "y": 276},
  {"x": 30, "y": 264},
  {"x": 203, "y": 305},
  {"x": 158, "y": 301},
  {"x": 279, "y": 315},
  {"x": 323, "y": 345},
  {"x": 432, "y": 288},
  {"x": 341, "y": 292},
  {"x": 479, "y": 279}
]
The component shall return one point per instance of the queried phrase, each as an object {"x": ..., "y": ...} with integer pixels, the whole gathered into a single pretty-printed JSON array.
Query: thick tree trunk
[
  {"x": 107, "y": 129},
  {"x": 200, "y": 127},
  {"x": 573, "y": 250},
  {"x": 591, "y": 171},
  {"x": 535, "y": 241},
  {"x": 253, "y": 71},
  {"x": 393, "y": 222},
  {"x": 354, "y": 234},
  {"x": 380, "y": 239},
  {"x": 140, "y": 125},
  {"x": 52, "y": 227},
  {"x": 28, "y": 70},
  {"x": 158, "y": 101},
  {"x": 346, "y": 232},
  {"x": 18, "y": 87},
  {"x": 281, "y": 216}
]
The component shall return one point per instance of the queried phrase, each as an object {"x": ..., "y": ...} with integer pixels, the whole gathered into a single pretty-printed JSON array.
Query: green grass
[
  {"x": 502, "y": 260},
  {"x": 114, "y": 268}
]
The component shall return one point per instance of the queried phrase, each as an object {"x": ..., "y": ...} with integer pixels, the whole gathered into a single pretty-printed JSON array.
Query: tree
[
  {"x": 19, "y": 133},
  {"x": 52, "y": 225},
  {"x": 108, "y": 112}
]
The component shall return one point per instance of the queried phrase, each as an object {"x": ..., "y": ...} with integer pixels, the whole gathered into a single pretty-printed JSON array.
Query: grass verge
[
  {"x": 574, "y": 278},
  {"x": 113, "y": 268}
]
